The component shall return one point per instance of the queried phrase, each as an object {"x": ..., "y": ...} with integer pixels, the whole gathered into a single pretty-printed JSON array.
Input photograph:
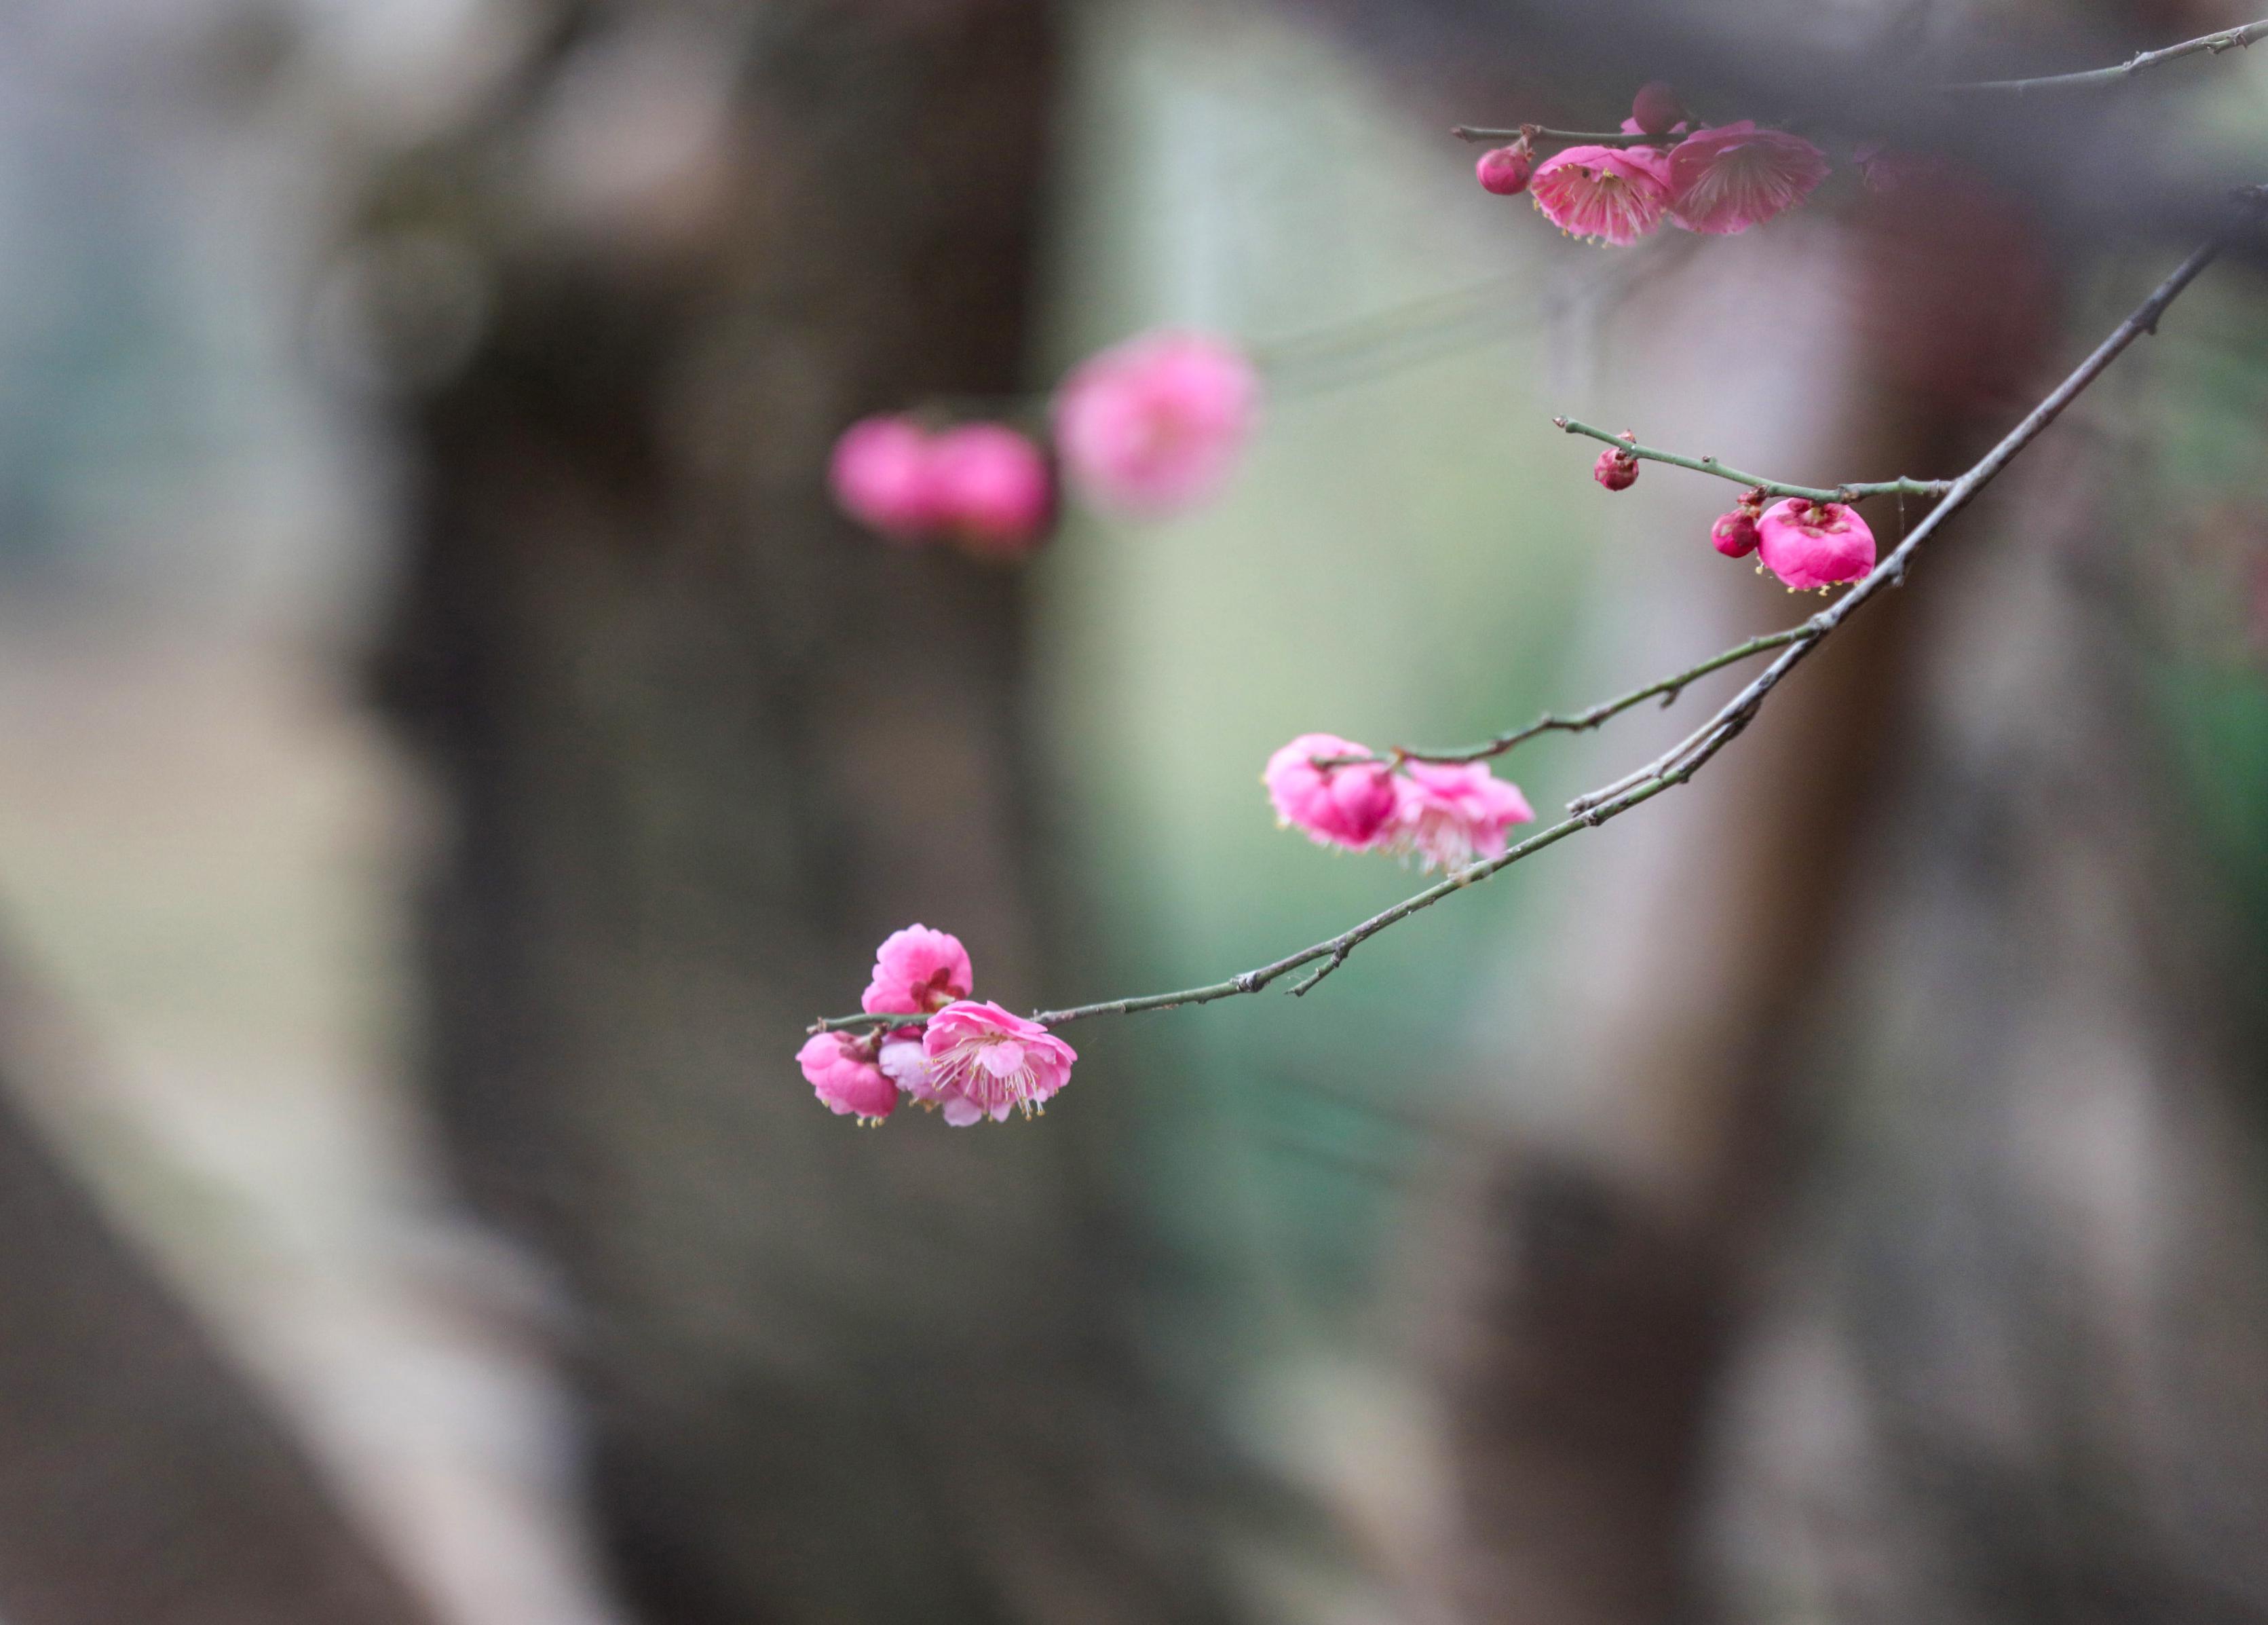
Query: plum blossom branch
[
  {"x": 2204, "y": 45},
  {"x": 1683, "y": 761},
  {"x": 1704, "y": 742},
  {"x": 1771, "y": 488},
  {"x": 1573, "y": 138}
]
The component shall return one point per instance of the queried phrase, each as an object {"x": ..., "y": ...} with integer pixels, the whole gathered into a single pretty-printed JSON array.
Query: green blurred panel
[
  {"x": 1399, "y": 561},
  {"x": 2198, "y": 535}
]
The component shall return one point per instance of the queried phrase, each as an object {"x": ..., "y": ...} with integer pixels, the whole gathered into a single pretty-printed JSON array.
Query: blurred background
[{"x": 452, "y": 746}]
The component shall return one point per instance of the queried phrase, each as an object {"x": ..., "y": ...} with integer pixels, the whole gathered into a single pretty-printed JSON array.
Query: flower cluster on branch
[
  {"x": 1443, "y": 815},
  {"x": 966, "y": 1058},
  {"x": 1146, "y": 429},
  {"x": 1719, "y": 180},
  {"x": 1155, "y": 425}
]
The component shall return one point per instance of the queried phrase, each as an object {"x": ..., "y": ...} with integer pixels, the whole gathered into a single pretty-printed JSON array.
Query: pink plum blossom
[
  {"x": 1605, "y": 192},
  {"x": 1735, "y": 534},
  {"x": 1449, "y": 814},
  {"x": 1617, "y": 470},
  {"x": 1505, "y": 170},
  {"x": 1154, "y": 424},
  {"x": 1728, "y": 179},
  {"x": 905, "y": 1064},
  {"x": 917, "y": 971},
  {"x": 1345, "y": 805},
  {"x": 1808, "y": 545},
  {"x": 881, "y": 475},
  {"x": 982, "y": 1061},
  {"x": 991, "y": 488},
  {"x": 845, "y": 1078}
]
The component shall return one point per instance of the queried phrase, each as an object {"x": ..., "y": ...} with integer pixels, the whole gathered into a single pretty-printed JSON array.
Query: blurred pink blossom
[
  {"x": 991, "y": 488},
  {"x": 1655, "y": 110},
  {"x": 1448, "y": 814},
  {"x": 1731, "y": 177},
  {"x": 1154, "y": 424},
  {"x": 880, "y": 473},
  {"x": 1887, "y": 169},
  {"x": 1346, "y": 806}
]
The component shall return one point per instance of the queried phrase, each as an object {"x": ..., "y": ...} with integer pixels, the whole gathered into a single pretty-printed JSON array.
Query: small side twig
[
  {"x": 2097, "y": 78},
  {"x": 1571, "y": 137},
  {"x": 1770, "y": 488}
]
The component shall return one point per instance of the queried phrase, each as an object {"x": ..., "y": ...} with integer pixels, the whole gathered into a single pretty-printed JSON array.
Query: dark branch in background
[
  {"x": 1356, "y": 350},
  {"x": 2143, "y": 177},
  {"x": 2205, "y": 44},
  {"x": 1690, "y": 754}
]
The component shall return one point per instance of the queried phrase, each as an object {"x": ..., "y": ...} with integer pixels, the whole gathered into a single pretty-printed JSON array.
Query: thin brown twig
[
  {"x": 2119, "y": 73},
  {"x": 1573, "y": 138},
  {"x": 1770, "y": 488},
  {"x": 1687, "y": 758},
  {"x": 2204, "y": 45},
  {"x": 1576, "y": 721}
]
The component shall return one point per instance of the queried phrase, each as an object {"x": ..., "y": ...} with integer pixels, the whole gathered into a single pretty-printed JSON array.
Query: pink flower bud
[
  {"x": 1344, "y": 806},
  {"x": 1655, "y": 109},
  {"x": 1446, "y": 814},
  {"x": 917, "y": 971},
  {"x": 978, "y": 1061},
  {"x": 991, "y": 489},
  {"x": 843, "y": 1074},
  {"x": 1617, "y": 470},
  {"x": 1735, "y": 534},
  {"x": 881, "y": 474},
  {"x": 1505, "y": 170},
  {"x": 1809, "y": 545},
  {"x": 1155, "y": 425}
]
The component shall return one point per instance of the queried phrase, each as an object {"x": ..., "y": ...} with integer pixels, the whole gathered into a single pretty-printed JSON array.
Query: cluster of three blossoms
[
  {"x": 969, "y": 1060},
  {"x": 1809, "y": 543},
  {"x": 1719, "y": 180}
]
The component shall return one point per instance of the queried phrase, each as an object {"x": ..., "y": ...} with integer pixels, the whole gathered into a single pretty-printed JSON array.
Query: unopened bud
[
  {"x": 1505, "y": 170},
  {"x": 1655, "y": 109},
  {"x": 1735, "y": 534}
]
